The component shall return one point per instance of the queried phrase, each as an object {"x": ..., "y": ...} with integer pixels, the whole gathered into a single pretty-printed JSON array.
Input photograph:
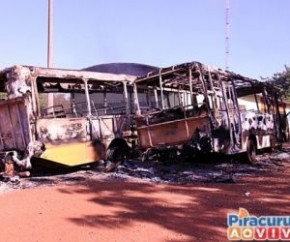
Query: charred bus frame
[
  {"x": 94, "y": 110},
  {"x": 195, "y": 105}
]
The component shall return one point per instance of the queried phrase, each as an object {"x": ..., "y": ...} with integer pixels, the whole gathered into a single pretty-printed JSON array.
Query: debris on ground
[{"x": 215, "y": 170}]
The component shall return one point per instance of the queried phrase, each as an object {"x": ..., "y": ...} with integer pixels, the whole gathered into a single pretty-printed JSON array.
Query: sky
[{"x": 155, "y": 32}]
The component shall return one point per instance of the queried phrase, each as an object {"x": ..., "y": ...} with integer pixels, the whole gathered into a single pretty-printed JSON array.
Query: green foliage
[{"x": 282, "y": 82}]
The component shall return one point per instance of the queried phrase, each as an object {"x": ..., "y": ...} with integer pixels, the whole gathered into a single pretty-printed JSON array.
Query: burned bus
[
  {"x": 203, "y": 109},
  {"x": 88, "y": 112}
]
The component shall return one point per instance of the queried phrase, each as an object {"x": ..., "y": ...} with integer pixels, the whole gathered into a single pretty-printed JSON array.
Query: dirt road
[{"x": 123, "y": 210}]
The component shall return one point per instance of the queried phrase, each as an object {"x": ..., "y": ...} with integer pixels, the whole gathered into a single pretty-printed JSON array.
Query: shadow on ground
[{"x": 197, "y": 211}]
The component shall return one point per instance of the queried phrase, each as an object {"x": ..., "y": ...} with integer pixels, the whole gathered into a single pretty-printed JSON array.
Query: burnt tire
[
  {"x": 118, "y": 149},
  {"x": 115, "y": 156},
  {"x": 251, "y": 152}
]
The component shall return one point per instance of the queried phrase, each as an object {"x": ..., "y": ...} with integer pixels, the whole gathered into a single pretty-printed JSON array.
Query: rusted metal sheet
[
  {"x": 172, "y": 132},
  {"x": 14, "y": 124}
]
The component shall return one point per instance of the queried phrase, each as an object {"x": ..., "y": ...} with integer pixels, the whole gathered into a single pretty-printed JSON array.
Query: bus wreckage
[
  {"x": 193, "y": 108},
  {"x": 182, "y": 110},
  {"x": 92, "y": 114}
]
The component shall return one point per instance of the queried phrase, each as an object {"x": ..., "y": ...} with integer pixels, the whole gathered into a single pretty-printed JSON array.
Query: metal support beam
[
  {"x": 50, "y": 35},
  {"x": 87, "y": 97},
  {"x": 50, "y": 96},
  {"x": 161, "y": 90}
]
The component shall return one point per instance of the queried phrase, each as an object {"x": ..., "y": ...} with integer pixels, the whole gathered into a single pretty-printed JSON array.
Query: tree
[{"x": 281, "y": 80}]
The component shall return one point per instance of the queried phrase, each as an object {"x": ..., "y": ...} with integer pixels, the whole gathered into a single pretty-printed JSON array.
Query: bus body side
[
  {"x": 211, "y": 110},
  {"x": 76, "y": 130}
]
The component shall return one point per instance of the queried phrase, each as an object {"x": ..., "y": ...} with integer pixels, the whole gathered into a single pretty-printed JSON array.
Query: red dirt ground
[{"x": 136, "y": 211}]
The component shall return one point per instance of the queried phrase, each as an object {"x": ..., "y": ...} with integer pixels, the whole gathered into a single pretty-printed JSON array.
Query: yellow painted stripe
[{"x": 73, "y": 154}]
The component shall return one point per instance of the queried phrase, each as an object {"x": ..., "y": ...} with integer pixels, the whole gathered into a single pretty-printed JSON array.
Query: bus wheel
[
  {"x": 115, "y": 156},
  {"x": 251, "y": 151},
  {"x": 116, "y": 153}
]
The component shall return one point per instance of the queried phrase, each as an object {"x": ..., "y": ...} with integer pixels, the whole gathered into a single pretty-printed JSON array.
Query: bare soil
[{"x": 143, "y": 202}]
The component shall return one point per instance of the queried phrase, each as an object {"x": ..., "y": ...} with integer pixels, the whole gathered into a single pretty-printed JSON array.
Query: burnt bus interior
[
  {"x": 189, "y": 104},
  {"x": 196, "y": 103},
  {"x": 71, "y": 101},
  {"x": 86, "y": 106},
  {"x": 68, "y": 89},
  {"x": 105, "y": 105}
]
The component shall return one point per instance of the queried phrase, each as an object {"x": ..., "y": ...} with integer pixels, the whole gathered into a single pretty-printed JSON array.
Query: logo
[{"x": 246, "y": 227}]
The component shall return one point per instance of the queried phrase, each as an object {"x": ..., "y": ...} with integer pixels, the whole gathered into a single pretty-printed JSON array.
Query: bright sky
[{"x": 155, "y": 32}]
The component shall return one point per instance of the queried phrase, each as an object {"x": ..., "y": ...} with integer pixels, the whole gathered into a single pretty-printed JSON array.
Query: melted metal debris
[{"x": 175, "y": 172}]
